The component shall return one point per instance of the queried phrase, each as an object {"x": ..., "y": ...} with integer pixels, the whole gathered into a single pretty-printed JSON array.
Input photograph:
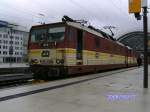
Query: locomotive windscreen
[
  {"x": 53, "y": 34},
  {"x": 56, "y": 34}
]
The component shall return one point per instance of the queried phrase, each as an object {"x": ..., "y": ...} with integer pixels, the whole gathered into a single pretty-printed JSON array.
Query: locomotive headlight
[
  {"x": 34, "y": 61},
  {"x": 59, "y": 61},
  {"x": 62, "y": 61}
]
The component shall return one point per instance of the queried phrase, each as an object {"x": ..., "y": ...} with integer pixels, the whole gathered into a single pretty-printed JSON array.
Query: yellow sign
[{"x": 134, "y": 6}]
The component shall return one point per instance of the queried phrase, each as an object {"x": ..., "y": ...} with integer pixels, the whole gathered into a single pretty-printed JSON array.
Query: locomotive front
[{"x": 46, "y": 50}]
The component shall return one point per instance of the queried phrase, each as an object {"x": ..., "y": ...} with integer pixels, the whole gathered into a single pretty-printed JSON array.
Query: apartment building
[{"x": 13, "y": 43}]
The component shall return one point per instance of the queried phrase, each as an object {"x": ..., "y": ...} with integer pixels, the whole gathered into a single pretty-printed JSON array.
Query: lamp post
[
  {"x": 135, "y": 7},
  {"x": 145, "y": 30}
]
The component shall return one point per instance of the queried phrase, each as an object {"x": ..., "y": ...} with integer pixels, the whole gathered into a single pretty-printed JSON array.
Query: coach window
[{"x": 97, "y": 43}]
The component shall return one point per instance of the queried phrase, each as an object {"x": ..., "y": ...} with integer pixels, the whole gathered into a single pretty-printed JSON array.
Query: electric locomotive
[{"x": 70, "y": 48}]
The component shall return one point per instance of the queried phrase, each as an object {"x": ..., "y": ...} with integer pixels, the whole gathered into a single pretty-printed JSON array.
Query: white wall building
[{"x": 13, "y": 44}]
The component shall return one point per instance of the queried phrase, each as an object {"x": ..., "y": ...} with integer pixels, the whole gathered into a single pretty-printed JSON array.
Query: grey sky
[{"x": 98, "y": 12}]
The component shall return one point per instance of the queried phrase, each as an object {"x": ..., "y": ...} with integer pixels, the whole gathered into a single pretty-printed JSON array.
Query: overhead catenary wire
[
  {"x": 124, "y": 13},
  {"x": 84, "y": 9},
  {"x": 87, "y": 11}
]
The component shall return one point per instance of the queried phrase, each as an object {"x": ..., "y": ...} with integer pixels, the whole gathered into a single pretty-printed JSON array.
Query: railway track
[
  {"x": 10, "y": 80},
  {"x": 14, "y": 80}
]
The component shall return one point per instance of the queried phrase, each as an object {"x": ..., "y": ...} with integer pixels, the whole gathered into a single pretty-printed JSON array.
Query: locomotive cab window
[
  {"x": 38, "y": 35},
  {"x": 56, "y": 34}
]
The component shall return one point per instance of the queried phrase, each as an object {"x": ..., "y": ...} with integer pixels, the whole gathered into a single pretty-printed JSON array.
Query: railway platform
[{"x": 113, "y": 91}]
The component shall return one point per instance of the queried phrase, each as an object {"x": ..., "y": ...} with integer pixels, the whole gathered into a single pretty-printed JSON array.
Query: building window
[
  {"x": 10, "y": 42},
  {"x": 16, "y": 53},
  {"x": 11, "y": 37},
  {"x": 5, "y": 41},
  {"x": 16, "y": 43},
  {"x": 17, "y": 38},
  {"x": 5, "y": 36},
  {"x": 17, "y": 48},
  {"x": 5, "y": 52}
]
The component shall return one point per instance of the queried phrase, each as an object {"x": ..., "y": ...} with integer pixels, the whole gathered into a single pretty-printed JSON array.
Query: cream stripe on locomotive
[{"x": 69, "y": 57}]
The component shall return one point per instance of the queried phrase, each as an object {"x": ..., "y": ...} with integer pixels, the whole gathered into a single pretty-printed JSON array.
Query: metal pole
[{"x": 145, "y": 28}]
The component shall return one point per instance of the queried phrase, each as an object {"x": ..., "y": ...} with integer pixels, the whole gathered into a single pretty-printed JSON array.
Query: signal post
[{"x": 135, "y": 7}]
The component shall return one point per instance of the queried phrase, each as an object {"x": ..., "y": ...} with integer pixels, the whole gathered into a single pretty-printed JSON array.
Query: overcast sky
[{"x": 99, "y": 13}]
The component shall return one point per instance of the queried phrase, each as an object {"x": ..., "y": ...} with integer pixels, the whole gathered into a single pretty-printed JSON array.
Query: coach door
[{"x": 79, "y": 53}]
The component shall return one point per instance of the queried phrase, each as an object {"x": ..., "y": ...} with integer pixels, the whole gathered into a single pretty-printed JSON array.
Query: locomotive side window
[
  {"x": 70, "y": 34},
  {"x": 56, "y": 34},
  {"x": 97, "y": 43}
]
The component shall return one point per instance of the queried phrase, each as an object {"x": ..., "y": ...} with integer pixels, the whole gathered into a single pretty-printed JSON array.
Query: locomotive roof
[
  {"x": 120, "y": 44},
  {"x": 91, "y": 29},
  {"x": 82, "y": 27},
  {"x": 79, "y": 26}
]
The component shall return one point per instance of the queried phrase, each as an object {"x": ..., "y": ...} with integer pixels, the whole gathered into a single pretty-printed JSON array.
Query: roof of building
[
  {"x": 3, "y": 23},
  {"x": 13, "y": 26},
  {"x": 134, "y": 40}
]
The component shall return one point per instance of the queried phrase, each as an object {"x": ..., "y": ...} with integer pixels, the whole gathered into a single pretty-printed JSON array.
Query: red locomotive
[{"x": 69, "y": 48}]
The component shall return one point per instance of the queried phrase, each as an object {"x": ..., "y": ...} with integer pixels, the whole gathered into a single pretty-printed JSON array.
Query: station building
[
  {"x": 135, "y": 40},
  {"x": 13, "y": 43}
]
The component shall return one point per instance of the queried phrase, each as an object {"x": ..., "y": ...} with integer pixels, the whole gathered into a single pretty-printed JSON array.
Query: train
[{"x": 68, "y": 48}]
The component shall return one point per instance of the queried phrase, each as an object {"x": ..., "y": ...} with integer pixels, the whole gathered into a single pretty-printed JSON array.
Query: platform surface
[{"x": 119, "y": 92}]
